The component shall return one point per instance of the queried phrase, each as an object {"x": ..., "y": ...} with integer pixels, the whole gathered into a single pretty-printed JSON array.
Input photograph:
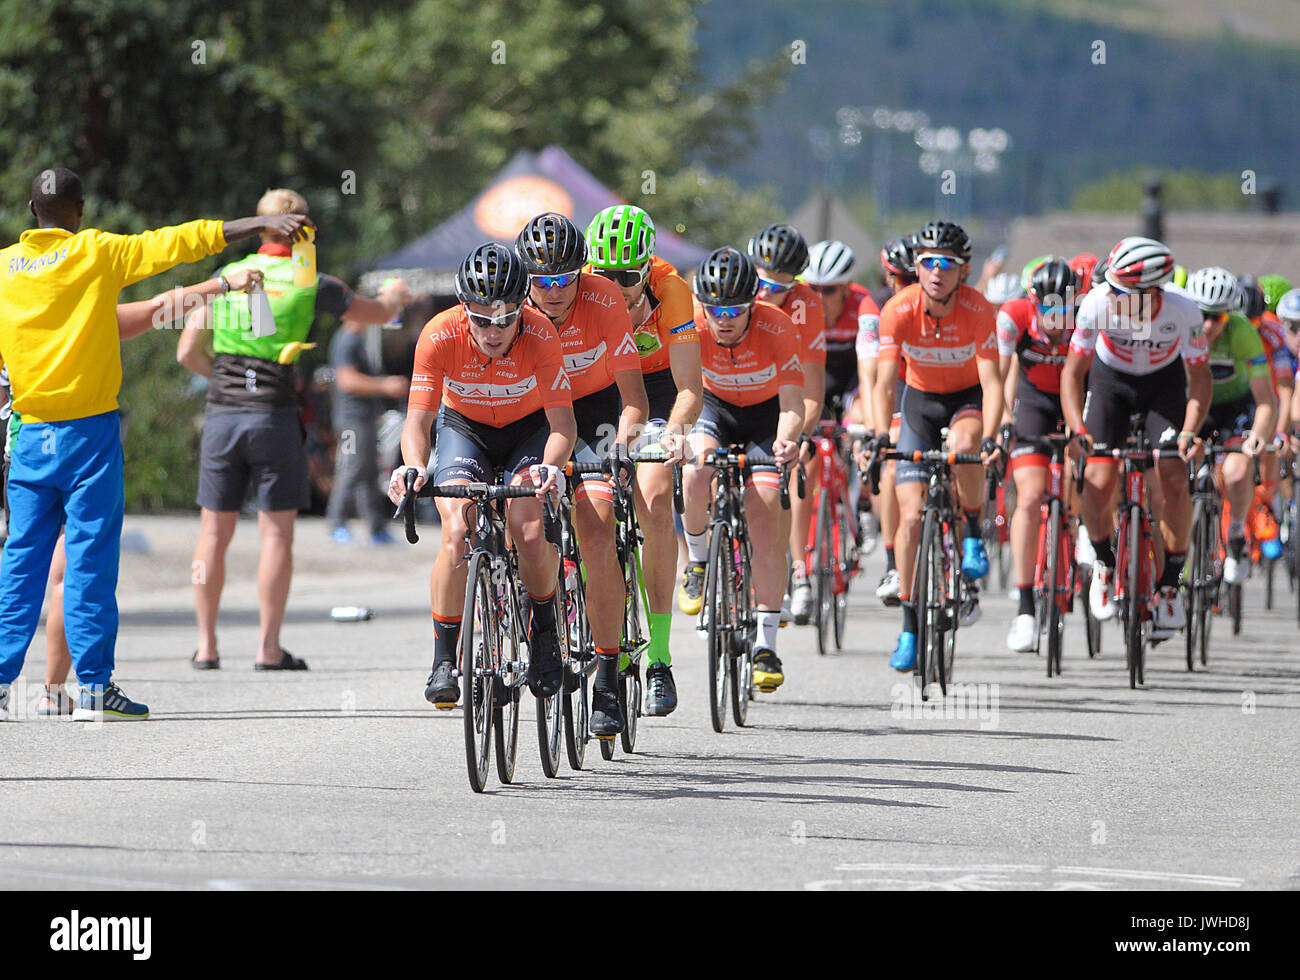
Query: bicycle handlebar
[
  {"x": 462, "y": 491},
  {"x": 720, "y": 458}
]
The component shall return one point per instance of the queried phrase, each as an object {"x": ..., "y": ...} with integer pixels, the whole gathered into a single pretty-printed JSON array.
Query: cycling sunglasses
[
  {"x": 824, "y": 290},
  {"x": 1215, "y": 318},
  {"x": 502, "y": 322},
  {"x": 555, "y": 282},
  {"x": 774, "y": 287},
  {"x": 943, "y": 262},
  {"x": 1046, "y": 310},
  {"x": 728, "y": 312},
  {"x": 627, "y": 278}
]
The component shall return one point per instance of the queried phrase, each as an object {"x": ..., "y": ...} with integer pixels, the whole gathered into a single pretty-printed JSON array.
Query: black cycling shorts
[
  {"x": 475, "y": 452},
  {"x": 924, "y": 415},
  {"x": 841, "y": 380},
  {"x": 1229, "y": 419},
  {"x": 1038, "y": 414},
  {"x": 1113, "y": 397},
  {"x": 751, "y": 426}
]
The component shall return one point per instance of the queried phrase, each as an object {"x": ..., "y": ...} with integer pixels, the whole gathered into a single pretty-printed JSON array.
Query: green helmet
[
  {"x": 1027, "y": 272},
  {"x": 621, "y": 237},
  {"x": 1274, "y": 286},
  {"x": 1180, "y": 275}
]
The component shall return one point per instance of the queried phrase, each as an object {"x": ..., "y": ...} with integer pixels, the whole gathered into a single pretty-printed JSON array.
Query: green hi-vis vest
[{"x": 293, "y": 307}]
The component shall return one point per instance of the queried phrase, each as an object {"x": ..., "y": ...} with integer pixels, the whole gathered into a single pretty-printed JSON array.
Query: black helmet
[
  {"x": 491, "y": 275},
  {"x": 780, "y": 248},
  {"x": 1099, "y": 272},
  {"x": 899, "y": 257},
  {"x": 1253, "y": 301},
  {"x": 551, "y": 245},
  {"x": 1054, "y": 278},
  {"x": 726, "y": 278},
  {"x": 944, "y": 235}
]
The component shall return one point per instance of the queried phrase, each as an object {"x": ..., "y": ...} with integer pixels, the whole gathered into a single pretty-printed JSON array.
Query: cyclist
[
  {"x": 604, "y": 367},
  {"x": 1083, "y": 265},
  {"x": 1288, "y": 314},
  {"x": 753, "y": 397},
  {"x": 898, "y": 260},
  {"x": 943, "y": 330},
  {"x": 849, "y": 309},
  {"x": 1150, "y": 357},
  {"x": 1033, "y": 333},
  {"x": 490, "y": 374},
  {"x": 620, "y": 247},
  {"x": 1243, "y": 404},
  {"x": 780, "y": 254}
]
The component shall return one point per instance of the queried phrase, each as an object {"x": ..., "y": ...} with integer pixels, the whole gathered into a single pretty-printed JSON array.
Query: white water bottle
[
  {"x": 351, "y": 614},
  {"x": 259, "y": 308}
]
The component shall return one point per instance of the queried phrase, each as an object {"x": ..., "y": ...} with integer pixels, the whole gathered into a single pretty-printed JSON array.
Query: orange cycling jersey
[
  {"x": 671, "y": 320},
  {"x": 597, "y": 337},
  {"x": 1273, "y": 334},
  {"x": 804, "y": 308},
  {"x": 450, "y": 370},
  {"x": 940, "y": 355},
  {"x": 753, "y": 371}
]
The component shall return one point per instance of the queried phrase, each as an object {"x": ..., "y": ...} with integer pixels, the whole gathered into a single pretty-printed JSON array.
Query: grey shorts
[{"x": 264, "y": 449}]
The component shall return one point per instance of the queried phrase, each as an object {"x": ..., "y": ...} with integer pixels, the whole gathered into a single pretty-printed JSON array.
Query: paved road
[{"x": 344, "y": 777}]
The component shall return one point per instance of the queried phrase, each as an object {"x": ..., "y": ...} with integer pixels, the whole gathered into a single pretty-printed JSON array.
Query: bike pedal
[
  {"x": 441, "y": 706},
  {"x": 604, "y": 738}
]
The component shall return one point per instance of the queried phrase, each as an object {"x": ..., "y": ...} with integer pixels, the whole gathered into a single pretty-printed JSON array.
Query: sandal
[
  {"x": 288, "y": 662},
  {"x": 213, "y": 664}
]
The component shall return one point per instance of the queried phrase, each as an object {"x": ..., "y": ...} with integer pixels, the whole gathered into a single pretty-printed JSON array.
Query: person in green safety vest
[{"x": 252, "y": 432}]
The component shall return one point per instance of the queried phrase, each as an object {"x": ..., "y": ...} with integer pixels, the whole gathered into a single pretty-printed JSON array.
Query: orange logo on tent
[{"x": 503, "y": 210}]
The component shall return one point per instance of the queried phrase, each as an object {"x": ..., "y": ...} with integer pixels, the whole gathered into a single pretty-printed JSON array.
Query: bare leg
[
  {"x": 274, "y": 573},
  {"x": 208, "y": 573}
]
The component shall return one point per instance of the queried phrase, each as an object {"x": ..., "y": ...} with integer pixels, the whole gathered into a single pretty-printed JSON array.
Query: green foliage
[
  {"x": 1182, "y": 190},
  {"x": 174, "y": 109}
]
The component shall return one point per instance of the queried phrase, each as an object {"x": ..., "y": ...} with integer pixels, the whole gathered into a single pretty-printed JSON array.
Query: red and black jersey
[{"x": 1041, "y": 361}]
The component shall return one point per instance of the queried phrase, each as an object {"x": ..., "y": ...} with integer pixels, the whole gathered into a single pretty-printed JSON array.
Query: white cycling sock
[
  {"x": 697, "y": 546},
  {"x": 768, "y": 623}
]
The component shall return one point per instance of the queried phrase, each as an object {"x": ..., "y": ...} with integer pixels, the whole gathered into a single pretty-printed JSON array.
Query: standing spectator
[
  {"x": 358, "y": 390},
  {"x": 252, "y": 430},
  {"x": 59, "y": 338}
]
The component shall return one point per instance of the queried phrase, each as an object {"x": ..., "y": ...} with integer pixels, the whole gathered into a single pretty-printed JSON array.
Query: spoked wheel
[
  {"x": 824, "y": 597},
  {"x": 1133, "y": 650},
  {"x": 1092, "y": 625},
  {"x": 505, "y": 720},
  {"x": 1195, "y": 599},
  {"x": 934, "y": 608},
  {"x": 1268, "y": 584},
  {"x": 921, "y": 599},
  {"x": 848, "y": 559},
  {"x": 1052, "y": 596},
  {"x": 550, "y": 711},
  {"x": 954, "y": 589},
  {"x": 1234, "y": 607},
  {"x": 577, "y": 703},
  {"x": 479, "y": 652},
  {"x": 719, "y": 599},
  {"x": 742, "y": 678}
]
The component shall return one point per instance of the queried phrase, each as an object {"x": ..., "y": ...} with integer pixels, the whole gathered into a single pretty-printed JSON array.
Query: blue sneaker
[
  {"x": 107, "y": 704},
  {"x": 380, "y": 538},
  {"x": 904, "y": 658},
  {"x": 1271, "y": 548},
  {"x": 341, "y": 535},
  {"x": 974, "y": 560}
]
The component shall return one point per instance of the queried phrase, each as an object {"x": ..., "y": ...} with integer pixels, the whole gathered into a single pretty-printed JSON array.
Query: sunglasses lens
[
  {"x": 773, "y": 287},
  {"x": 554, "y": 282},
  {"x": 728, "y": 312},
  {"x": 624, "y": 277}
]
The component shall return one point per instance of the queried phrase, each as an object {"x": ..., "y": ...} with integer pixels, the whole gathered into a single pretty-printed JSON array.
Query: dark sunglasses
[
  {"x": 627, "y": 278},
  {"x": 774, "y": 287},
  {"x": 502, "y": 322},
  {"x": 826, "y": 289},
  {"x": 1215, "y": 318},
  {"x": 728, "y": 312},
  {"x": 554, "y": 282}
]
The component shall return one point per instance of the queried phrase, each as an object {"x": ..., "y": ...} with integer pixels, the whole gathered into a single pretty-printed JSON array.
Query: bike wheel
[
  {"x": 479, "y": 651},
  {"x": 718, "y": 598},
  {"x": 576, "y": 704},
  {"x": 550, "y": 711},
  {"x": 505, "y": 720},
  {"x": 1268, "y": 584},
  {"x": 824, "y": 590},
  {"x": 920, "y": 597},
  {"x": 629, "y": 694},
  {"x": 1052, "y": 597},
  {"x": 1234, "y": 608},
  {"x": 955, "y": 588},
  {"x": 742, "y": 679},
  {"x": 848, "y": 560},
  {"x": 1132, "y": 598}
]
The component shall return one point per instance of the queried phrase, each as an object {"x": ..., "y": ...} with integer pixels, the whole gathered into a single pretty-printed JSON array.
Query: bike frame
[{"x": 834, "y": 476}]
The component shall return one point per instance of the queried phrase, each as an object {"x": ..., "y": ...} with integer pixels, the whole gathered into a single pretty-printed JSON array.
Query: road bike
[
  {"x": 1056, "y": 576},
  {"x": 832, "y": 549}
]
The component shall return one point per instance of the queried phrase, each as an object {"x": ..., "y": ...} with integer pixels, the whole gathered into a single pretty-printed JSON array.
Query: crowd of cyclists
[{"x": 583, "y": 366}]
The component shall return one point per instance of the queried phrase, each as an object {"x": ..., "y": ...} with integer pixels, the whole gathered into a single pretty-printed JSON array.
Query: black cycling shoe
[
  {"x": 661, "y": 692},
  {"x": 606, "y": 719},
  {"x": 442, "y": 691},
  {"x": 545, "y": 670}
]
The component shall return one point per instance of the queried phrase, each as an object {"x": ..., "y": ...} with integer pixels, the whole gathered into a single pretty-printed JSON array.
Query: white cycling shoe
[
  {"x": 1101, "y": 598},
  {"x": 1169, "y": 614},
  {"x": 1023, "y": 632},
  {"x": 1084, "y": 553}
]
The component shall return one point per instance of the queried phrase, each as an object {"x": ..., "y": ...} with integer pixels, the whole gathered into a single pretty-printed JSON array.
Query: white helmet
[
  {"x": 1214, "y": 289},
  {"x": 1003, "y": 288},
  {"x": 828, "y": 264},
  {"x": 1137, "y": 263},
  {"x": 1288, "y": 307}
]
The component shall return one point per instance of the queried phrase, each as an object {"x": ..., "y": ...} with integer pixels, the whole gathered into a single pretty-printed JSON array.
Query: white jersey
[{"x": 1140, "y": 345}]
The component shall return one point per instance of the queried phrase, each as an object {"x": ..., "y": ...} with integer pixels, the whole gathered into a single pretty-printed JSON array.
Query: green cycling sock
[{"x": 660, "y": 625}]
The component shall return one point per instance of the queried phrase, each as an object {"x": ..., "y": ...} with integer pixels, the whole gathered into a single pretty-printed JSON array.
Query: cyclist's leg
[
  {"x": 768, "y": 522},
  {"x": 964, "y": 431},
  {"x": 654, "y": 502},
  {"x": 712, "y": 429},
  {"x": 1166, "y": 403},
  {"x": 1029, "y": 470},
  {"x": 593, "y": 517},
  {"x": 919, "y": 429}
]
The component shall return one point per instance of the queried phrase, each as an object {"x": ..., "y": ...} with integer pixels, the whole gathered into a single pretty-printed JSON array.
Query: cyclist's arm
[
  {"x": 1265, "y": 409},
  {"x": 814, "y": 393},
  {"x": 991, "y": 383},
  {"x": 1010, "y": 381},
  {"x": 1072, "y": 389},
  {"x": 636, "y": 406},
  {"x": 684, "y": 360},
  {"x": 867, "y": 372},
  {"x": 564, "y": 432},
  {"x": 416, "y": 444},
  {"x": 193, "y": 350},
  {"x": 1285, "y": 394},
  {"x": 1200, "y": 390},
  {"x": 882, "y": 395}
]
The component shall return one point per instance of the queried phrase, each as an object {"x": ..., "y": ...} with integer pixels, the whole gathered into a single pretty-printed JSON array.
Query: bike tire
[
  {"x": 1194, "y": 596},
  {"x": 955, "y": 587},
  {"x": 505, "y": 722},
  {"x": 742, "y": 645},
  {"x": 824, "y": 590},
  {"x": 920, "y": 594},
  {"x": 577, "y": 704},
  {"x": 717, "y": 593},
  {"x": 1268, "y": 584},
  {"x": 1234, "y": 608},
  {"x": 479, "y": 645},
  {"x": 550, "y": 711},
  {"x": 635, "y": 629},
  {"x": 1052, "y": 592},
  {"x": 1132, "y": 598},
  {"x": 848, "y": 559},
  {"x": 629, "y": 691}
]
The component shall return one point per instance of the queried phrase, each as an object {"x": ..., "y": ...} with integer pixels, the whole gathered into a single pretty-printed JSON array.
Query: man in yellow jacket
[{"x": 59, "y": 338}]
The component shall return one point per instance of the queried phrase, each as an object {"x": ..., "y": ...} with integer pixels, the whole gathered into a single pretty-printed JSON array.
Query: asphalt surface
[{"x": 343, "y": 777}]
